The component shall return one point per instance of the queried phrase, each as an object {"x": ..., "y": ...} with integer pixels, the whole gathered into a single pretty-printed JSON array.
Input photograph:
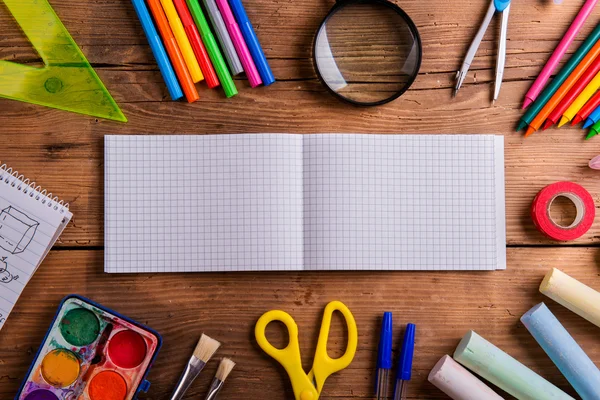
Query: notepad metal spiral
[{"x": 11, "y": 177}]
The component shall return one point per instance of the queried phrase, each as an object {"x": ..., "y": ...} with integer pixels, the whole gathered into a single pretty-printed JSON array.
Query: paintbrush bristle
[
  {"x": 224, "y": 369},
  {"x": 206, "y": 348}
]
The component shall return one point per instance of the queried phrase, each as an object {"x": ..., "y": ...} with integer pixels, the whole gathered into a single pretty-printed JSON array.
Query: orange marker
[
  {"x": 563, "y": 89},
  {"x": 185, "y": 79}
]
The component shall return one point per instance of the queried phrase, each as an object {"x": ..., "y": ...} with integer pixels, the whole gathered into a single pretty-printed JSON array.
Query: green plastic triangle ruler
[{"x": 67, "y": 81}]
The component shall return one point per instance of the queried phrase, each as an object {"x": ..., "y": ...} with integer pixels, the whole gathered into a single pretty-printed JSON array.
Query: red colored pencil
[
  {"x": 199, "y": 50},
  {"x": 587, "y": 109},
  {"x": 586, "y": 78}
]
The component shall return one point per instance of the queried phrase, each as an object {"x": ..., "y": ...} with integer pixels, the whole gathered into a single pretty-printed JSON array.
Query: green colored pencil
[
  {"x": 564, "y": 73},
  {"x": 212, "y": 48}
]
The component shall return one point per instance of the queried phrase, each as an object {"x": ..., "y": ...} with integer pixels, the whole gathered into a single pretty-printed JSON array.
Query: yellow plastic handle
[{"x": 324, "y": 365}]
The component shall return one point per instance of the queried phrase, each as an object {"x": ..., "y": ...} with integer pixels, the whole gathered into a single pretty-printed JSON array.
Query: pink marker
[
  {"x": 239, "y": 43},
  {"x": 559, "y": 52}
]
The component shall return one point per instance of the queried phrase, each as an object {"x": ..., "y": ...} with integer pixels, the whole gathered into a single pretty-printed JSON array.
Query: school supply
[
  {"x": 595, "y": 163},
  {"x": 239, "y": 43},
  {"x": 91, "y": 352},
  {"x": 164, "y": 64},
  {"x": 562, "y": 91},
  {"x": 31, "y": 220},
  {"x": 593, "y": 117},
  {"x": 594, "y": 129},
  {"x": 182, "y": 40},
  {"x": 584, "y": 204},
  {"x": 225, "y": 368},
  {"x": 563, "y": 350},
  {"x": 67, "y": 81},
  {"x": 572, "y": 294},
  {"x": 384, "y": 357},
  {"x": 587, "y": 110},
  {"x": 497, "y": 367},
  {"x": 204, "y": 350},
  {"x": 308, "y": 386},
  {"x": 258, "y": 56},
  {"x": 404, "y": 372},
  {"x": 503, "y": 7},
  {"x": 582, "y": 99},
  {"x": 367, "y": 77},
  {"x": 194, "y": 37},
  {"x": 559, "y": 79},
  {"x": 185, "y": 79},
  {"x": 235, "y": 65},
  {"x": 258, "y": 202},
  {"x": 573, "y": 93},
  {"x": 458, "y": 383},
  {"x": 558, "y": 53},
  {"x": 212, "y": 48}
]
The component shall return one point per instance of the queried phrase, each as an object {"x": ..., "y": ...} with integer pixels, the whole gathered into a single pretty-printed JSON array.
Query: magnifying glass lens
[{"x": 367, "y": 52}]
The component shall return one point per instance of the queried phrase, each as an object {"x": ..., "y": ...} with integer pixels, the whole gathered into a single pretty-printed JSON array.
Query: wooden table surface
[{"x": 64, "y": 152}]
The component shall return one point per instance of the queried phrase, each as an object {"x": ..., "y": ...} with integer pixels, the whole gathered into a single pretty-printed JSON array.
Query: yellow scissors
[{"x": 308, "y": 386}]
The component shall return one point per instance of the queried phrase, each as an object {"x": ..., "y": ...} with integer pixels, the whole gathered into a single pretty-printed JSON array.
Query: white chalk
[
  {"x": 458, "y": 383},
  {"x": 494, "y": 365},
  {"x": 572, "y": 294}
]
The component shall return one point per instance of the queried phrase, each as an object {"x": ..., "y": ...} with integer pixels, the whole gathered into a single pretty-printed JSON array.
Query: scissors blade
[
  {"x": 501, "y": 53},
  {"x": 462, "y": 74}
]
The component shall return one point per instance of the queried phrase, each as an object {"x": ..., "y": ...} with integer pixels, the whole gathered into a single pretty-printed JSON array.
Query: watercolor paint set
[{"x": 91, "y": 353}]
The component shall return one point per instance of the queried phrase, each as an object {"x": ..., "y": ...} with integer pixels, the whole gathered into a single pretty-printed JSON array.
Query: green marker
[
  {"x": 564, "y": 73},
  {"x": 212, "y": 48},
  {"x": 593, "y": 130}
]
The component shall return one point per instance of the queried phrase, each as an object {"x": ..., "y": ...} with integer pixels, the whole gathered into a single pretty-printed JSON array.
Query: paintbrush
[
  {"x": 223, "y": 371},
  {"x": 204, "y": 350}
]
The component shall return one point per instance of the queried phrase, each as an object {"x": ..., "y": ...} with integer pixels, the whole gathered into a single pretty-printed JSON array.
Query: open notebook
[
  {"x": 31, "y": 220},
  {"x": 304, "y": 202}
]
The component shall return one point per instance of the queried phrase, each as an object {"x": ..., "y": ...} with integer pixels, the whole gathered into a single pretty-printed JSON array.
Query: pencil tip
[
  {"x": 529, "y": 131},
  {"x": 576, "y": 120},
  {"x": 521, "y": 126},
  {"x": 591, "y": 134},
  {"x": 588, "y": 122},
  {"x": 547, "y": 124},
  {"x": 526, "y": 103},
  {"x": 563, "y": 120}
]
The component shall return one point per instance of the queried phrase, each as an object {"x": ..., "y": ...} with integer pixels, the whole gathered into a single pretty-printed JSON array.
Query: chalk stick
[
  {"x": 572, "y": 294},
  {"x": 494, "y": 365},
  {"x": 564, "y": 351},
  {"x": 458, "y": 383}
]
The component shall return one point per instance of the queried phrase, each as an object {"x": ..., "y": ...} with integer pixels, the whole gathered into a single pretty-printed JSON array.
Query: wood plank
[{"x": 226, "y": 306}]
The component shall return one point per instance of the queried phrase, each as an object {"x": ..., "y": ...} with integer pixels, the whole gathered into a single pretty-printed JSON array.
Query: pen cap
[
  {"x": 406, "y": 355},
  {"x": 384, "y": 351}
]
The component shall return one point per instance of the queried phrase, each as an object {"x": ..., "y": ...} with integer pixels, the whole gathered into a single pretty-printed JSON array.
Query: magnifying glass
[{"x": 367, "y": 52}]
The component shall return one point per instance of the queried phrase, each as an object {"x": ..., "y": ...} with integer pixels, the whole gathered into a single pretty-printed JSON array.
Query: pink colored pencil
[
  {"x": 559, "y": 52},
  {"x": 239, "y": 43}
]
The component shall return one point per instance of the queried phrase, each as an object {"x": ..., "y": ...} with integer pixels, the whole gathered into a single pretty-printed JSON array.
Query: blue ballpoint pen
[
  {"x": 404, "y": 372},
  {"x": 384, "y": 356},
  {"x": 256, "y": 51}
]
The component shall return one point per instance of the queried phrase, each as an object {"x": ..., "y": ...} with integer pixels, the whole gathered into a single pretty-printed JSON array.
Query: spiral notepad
[
  {"x": 304, "y": 202},
  {"x": 31, "y": 219}
]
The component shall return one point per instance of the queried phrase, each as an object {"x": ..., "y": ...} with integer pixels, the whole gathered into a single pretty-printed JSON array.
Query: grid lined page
[
  {"x": 203, "y": 203},
  {"x": 404, "y": 202}
]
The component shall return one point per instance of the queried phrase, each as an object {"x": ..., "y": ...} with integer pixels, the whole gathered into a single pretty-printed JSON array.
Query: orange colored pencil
[
  {"x": 563, "y": 89},
  {"x": 587, "y": 109},
  {"x": 185, "y": 79}
]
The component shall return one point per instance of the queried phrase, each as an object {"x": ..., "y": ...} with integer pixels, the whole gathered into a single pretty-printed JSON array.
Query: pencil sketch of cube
[{"x": 16, "y": 230}]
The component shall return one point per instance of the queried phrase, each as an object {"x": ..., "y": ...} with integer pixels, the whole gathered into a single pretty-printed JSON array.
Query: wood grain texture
[{"x": 64, "y": 152}]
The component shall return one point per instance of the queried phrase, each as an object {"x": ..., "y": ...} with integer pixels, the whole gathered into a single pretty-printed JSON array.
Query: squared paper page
[
  {"x": 404, "y": 202},
  {"x": 203, "y": 203},
  {"x": 28, "y": 229}
]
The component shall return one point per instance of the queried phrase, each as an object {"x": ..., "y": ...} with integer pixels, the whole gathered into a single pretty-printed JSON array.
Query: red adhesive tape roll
[{"x": 586, "y": 211}]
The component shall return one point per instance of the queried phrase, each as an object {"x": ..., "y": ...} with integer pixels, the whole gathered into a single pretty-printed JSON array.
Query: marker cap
[
  {"x": 406, "y": 355},
  {"x": 384, "y": 351}
]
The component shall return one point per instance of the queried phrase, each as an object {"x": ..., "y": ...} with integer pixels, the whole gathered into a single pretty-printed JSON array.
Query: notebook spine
[{"x": 10, "y": 177}]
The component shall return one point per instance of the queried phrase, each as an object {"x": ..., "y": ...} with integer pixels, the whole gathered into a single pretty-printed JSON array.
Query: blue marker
[
  {"x": 384, "y": 356},
  {"x": 592, "y": 118},
  {"x": 266, "y": 75},
  {"x": 164, "y": 64},
  {"x": 404, "y": 372}
]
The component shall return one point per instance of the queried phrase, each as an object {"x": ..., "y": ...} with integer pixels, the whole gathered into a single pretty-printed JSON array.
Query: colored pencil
[
  {"x": 583, "y": 97},
  {"x": 558, "y": 53},
  {"x": 182, "y": 40},
  {"x": 187, "y": 84},
  {"x": 572, "y": 94},
  {"x": 199, "y": 50},
  {"x": 589, "y": 58},
  {"x": 587, "y": 109},
  {"x": 559, "y": 79},
  {"x": 164, "y": 65},
  {"x": 592, "y": 118},
  {"x": 213, "y": 48}
]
